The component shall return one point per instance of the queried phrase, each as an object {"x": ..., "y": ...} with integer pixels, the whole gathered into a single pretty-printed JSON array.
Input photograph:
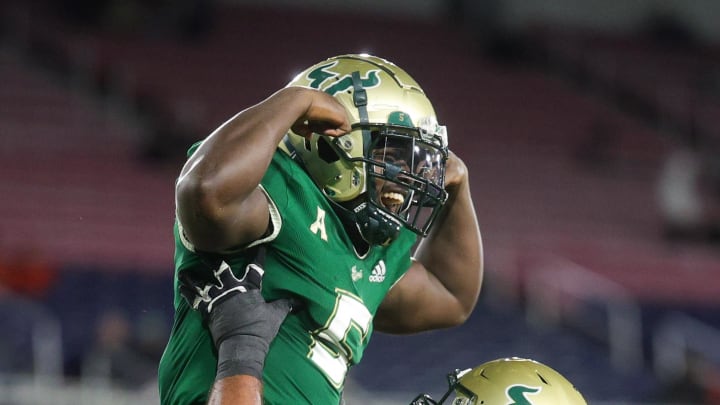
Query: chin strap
[
  {"x": 360, "y": 100},
  {"x": 375, "y": 227}
]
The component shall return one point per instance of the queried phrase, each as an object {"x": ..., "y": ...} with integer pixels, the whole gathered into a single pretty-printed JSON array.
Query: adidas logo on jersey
[{"x": 378, "y": 273}]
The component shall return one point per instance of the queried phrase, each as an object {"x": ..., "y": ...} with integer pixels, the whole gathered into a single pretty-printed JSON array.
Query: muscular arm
[
  {"x": 217, "y": 195},
  {"x": 236, "y": 390},
  {"x": 442, "y": 285}
]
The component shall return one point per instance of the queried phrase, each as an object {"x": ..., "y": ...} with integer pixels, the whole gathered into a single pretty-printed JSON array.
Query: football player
[
  {"x": 330, "y": 181},
  {"x": 507, "y": 381}
]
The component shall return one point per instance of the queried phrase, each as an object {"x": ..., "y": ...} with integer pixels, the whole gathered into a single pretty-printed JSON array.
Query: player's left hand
[
  {"x": 241, "y": 322},
  {"x": 204, "y": 293},
  {"x": 228, "y": 303},
  {"x": 455, "y": 172}
]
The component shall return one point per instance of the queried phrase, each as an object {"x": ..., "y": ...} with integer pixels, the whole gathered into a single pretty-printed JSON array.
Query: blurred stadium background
[{"x": 591, "y": 130}]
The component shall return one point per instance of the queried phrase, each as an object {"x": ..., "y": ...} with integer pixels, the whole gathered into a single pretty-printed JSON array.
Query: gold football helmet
[
  {"x": 389, "y": 171},
  {"x": 508, "y": 381}
]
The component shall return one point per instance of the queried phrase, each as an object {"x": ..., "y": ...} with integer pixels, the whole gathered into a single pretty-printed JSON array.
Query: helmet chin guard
[
  {"x": 376, "y": 227},
  {"x": 389, "y": 170}
]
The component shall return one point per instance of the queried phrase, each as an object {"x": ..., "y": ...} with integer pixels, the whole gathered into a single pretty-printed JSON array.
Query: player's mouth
[{"x": 392, "y": 200}]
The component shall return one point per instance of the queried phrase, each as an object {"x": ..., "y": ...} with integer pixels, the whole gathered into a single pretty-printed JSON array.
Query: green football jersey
[{"x": 308, "y": 255}]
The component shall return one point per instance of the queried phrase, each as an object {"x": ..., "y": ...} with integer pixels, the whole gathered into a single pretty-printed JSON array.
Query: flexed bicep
[
  {"x": 418, "y": 302},
  {"x": 218, "y": 198}
]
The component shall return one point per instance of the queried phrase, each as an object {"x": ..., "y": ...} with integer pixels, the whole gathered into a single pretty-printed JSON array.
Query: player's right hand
[{"x": 324, "y": 115}]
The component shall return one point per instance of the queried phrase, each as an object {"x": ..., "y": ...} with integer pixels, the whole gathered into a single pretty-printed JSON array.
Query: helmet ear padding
[{"x": 326, "y": 151}]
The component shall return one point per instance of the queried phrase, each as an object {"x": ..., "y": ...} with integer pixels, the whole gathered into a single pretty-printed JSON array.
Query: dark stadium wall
[
  {"x": 413, "y": 9},
  {"x": 604, "y": 15}
]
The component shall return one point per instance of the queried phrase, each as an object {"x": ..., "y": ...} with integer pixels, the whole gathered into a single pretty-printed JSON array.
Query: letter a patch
[{"x": 319, "y": 224}]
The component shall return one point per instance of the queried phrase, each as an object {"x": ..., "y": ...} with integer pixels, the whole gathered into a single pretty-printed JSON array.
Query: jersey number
[{"x": 345, "y": 329}]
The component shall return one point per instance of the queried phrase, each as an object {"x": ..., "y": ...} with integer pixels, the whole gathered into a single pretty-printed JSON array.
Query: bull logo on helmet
[
  {"x": 323, "y": 73},
  {"x": 516, "y": 393}
]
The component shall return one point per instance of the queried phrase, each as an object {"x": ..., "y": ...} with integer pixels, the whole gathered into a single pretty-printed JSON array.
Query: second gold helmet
[{"x": 506, "y": 381}]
